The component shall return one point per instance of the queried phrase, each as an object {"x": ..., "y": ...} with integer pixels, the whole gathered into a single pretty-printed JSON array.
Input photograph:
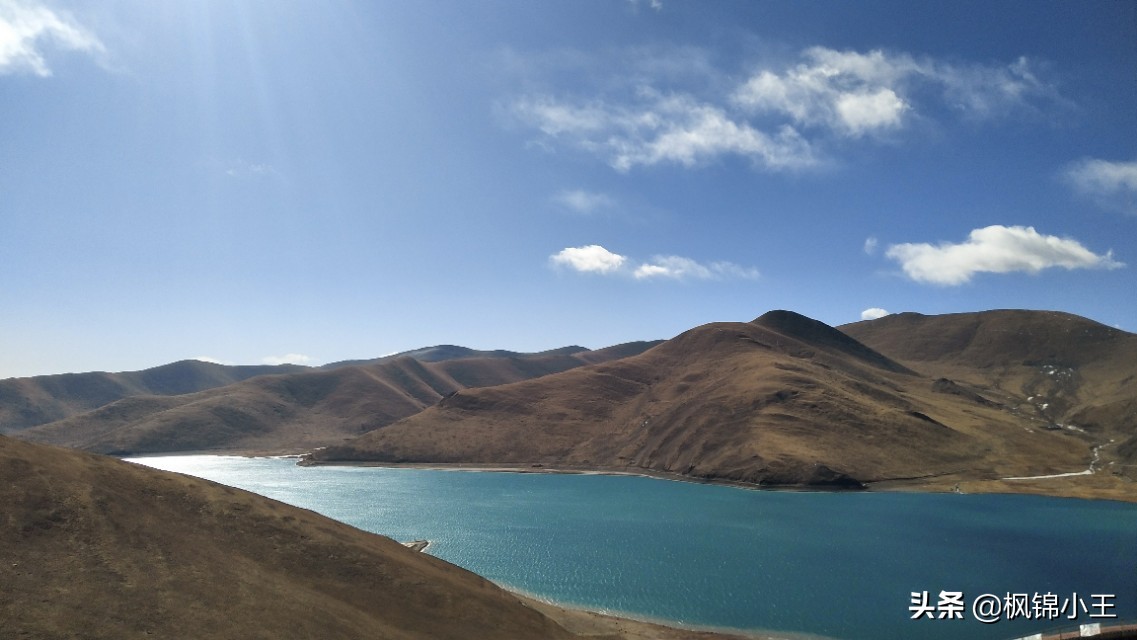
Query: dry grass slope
[
  {"x": 782, "y": 400},
  {"x": 297, "y": 411},
  {"x": 92, "y": 547},
  {"x": 1056, "y": 371},
  {"x": 27, "y": 402}
]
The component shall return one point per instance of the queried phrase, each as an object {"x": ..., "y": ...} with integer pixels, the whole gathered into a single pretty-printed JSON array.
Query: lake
[{"x": 842, "y": 565}]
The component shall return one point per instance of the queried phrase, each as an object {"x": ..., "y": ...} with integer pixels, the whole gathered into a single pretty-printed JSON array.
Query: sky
[{"x": 311, "y": 181}]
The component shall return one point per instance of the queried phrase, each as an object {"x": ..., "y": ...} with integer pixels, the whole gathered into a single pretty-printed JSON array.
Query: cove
[{"x": 838, "y": 565}]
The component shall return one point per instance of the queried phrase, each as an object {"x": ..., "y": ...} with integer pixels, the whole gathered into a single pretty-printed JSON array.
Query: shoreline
[
  {"x": 1079, "y": 486},
  {"x": 582, "y": 620},
  {"x": 1098, "y": 485},
  {"x": 572, "y": 470}
]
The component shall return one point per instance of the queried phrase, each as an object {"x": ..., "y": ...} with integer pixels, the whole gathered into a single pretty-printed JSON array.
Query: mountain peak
[
  {"x": 810, "y": 331},
  {"x": 792, "y": 322}
]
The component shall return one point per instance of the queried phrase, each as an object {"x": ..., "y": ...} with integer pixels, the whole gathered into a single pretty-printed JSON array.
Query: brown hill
[
  {"x": 27, "y": 402},
  {"x": 442, "y": 352},
  {"x": 1057, "y": 370},
  {"x": 32, "y": 401},
  {"x": 93, "y": 547},
  {"x": 299, "y": 411},
  {"x": 780, "y": 400}
]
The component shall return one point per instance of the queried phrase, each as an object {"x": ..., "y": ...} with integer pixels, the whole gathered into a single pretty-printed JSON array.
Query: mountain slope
[
  {"x": 27, "y": 402},
  {"x": 442, "y": 352},
  {"x": 296, "y": 412},
  {"x": 98, "y": 548},
  {"x": 780, "y": 400},
  {"x": 1056, "y": 370}
]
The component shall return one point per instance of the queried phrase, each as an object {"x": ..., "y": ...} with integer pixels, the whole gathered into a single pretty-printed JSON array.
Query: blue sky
[{"x": 315, "y": 181}]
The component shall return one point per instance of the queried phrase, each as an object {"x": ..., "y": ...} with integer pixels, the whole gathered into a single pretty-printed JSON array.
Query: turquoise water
[{"x": 841, "y": 565}]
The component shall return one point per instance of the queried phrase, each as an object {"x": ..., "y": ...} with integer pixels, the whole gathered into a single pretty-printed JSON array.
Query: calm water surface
[{"x": 842, "y": 565}]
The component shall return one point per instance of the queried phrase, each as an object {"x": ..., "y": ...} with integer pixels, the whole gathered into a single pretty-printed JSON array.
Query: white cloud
[
  {"x": 675, "y": 129},
  {"x": 994, "y": 249},
  {"x": 1112, "y": 185},
  {"x": 857, "y": 94},
  {"x": 674, "y": 267},
  {"x": 554, "y": 118},
  {"x": 588, "y": 259},
  {"x": 689, "y": 133},
  {"x": 870, "y": 245},
  {"x": 26, "y": 28},
  {"x": 981, "y": 92},
  {"x": 597, "y": 259},
  {"x": 851, "y": 93},
  {"x": 864, "y": 112},
  {"x": 654, "y": 4},
  {"x": 585, "y": 202},
  {"x": 731, "y": 270},
  {"x": 680, "y": 268},
  {"x": 873, "y": 313},
  {"x": 780, "y": 117},
  {"x": 288, "y": 358}
]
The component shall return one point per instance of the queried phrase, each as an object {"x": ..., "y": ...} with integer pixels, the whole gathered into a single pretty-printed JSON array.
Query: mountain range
[
  {"x": 957, "y": 401},
  {"x": 293, "y": 410},
  {"x": 27, "y": 402}
]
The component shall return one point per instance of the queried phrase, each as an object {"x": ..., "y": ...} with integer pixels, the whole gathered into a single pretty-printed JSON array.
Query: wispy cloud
[
  {"x": 288, "y": 358},
  {"x": 662, "y": 129},
  {"x": 597, "y": 259},
  {"x": 780, "y": 117},
  {"x": 680, "y": 268},
  {"x": 870, "y": 245},
  {"x": 28, "y": 28},
  {"x": 995, "y": 249},
  {"x": 654, "y": 4},
  {"x": 1112, "y": 185},
  {"x": 856, "y": 94},
  {"x": 584, "y": 202},
  {"x": 873, "y": 313},
  {"x": 243, "y": 169}
]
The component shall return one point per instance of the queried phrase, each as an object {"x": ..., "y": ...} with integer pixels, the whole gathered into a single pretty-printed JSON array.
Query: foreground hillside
[
  {"x": 782, "y": 400},
  {"x": 302, "y": 410},
  {"x": 93, "y": 547}
]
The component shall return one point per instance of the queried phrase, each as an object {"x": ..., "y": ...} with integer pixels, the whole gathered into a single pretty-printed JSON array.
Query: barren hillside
[
  {"x": 298, "y": 411},
  {"x": 782, "y": 400},
  {"x": 93, "y": 547},
  {"x": 1056, "y": 370}
]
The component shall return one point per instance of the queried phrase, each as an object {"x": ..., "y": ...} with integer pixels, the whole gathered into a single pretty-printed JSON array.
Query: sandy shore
[{"x": 612, "y": 627}]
